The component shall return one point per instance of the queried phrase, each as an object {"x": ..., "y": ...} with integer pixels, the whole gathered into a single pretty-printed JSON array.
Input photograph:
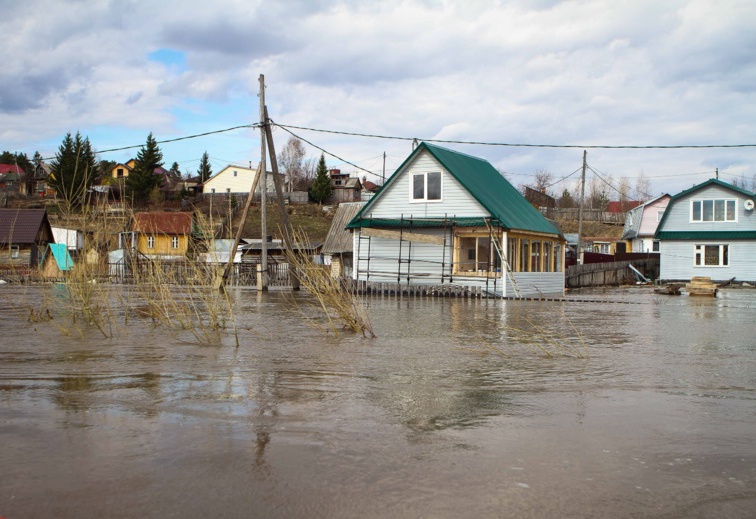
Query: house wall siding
[
  {"x": 679, "y": 213},
  {"x": 677, "y": 261},
  {"x": 225, "y": 180},
  {"x": 649, "y": 220},
  {"x": 162, "y": 245},
  {"x": 395, "y": 201},
  {"x": 537, "y": 284}
]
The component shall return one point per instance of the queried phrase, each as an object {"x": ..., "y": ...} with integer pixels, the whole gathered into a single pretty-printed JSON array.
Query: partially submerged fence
[
  {"x": 362, "y": 287},
  {"x": 610, "y": 274}
]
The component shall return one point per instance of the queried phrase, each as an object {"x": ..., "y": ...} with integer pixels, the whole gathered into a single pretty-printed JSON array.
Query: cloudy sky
[{"x": 641, "y": 73}]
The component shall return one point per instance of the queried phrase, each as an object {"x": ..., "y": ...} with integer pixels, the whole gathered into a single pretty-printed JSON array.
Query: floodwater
[{"x": 447, "y": 413}]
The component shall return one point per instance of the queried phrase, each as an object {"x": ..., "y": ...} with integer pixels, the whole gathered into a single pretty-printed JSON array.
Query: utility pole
[
  {"x": 262, "y": 277},
  {"x": 383, "y": 176},
  {"x": 717, "y": 173},
  {"x": 580, "y": 211}
]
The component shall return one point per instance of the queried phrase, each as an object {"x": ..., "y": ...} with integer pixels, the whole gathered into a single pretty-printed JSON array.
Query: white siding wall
[
  {"x": 426, "y": 268},
  {"x": 395, "y": 200},
  {"x": 679, "y": 213},
  {"x": 677, "y": 261},
  {"x": 241, "y": 183},
  {"x": 536, "y": 284}
]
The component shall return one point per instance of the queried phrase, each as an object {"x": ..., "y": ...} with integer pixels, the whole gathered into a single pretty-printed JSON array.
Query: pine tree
[
  {"x": 321, "y": 189},
  {"x": 175, "y": 171},
  {"x": 142, "y": 179},
  {"x": 74, "y": 169},
  {"x": 205, "y": 171}
]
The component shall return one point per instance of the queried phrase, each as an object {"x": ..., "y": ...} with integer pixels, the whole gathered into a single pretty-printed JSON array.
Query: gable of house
[
  {"x": 710, "y": 210},
  {"x": 24, "y": 226},
  {"x": 471, "y": 190}
]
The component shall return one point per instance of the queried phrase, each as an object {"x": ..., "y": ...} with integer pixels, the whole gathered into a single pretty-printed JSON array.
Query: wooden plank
[{"x": 406, "y": 236}]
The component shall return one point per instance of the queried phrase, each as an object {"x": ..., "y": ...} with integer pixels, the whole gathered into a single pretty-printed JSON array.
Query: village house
[
  {"x": 344, "y": 188},
  {"x": 24, "y": 235},
  {"x": 159, "y": 235},
  {"x": 641, "y": 223},
  {"x": 337, "y": 249},
  {"x": 708, "y": 230},
  {"x": 238, "y": 180},
  {"x": 446, "y": 218}
]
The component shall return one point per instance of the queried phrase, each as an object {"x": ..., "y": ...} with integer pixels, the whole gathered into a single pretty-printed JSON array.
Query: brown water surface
[{"x": 427, "y": 420}]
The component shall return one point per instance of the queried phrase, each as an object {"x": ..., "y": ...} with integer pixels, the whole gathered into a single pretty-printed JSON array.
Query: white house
[
  {"x": 641, "y": 223},
  {"x": 709, "y": 230},
  {"x": 237, "y": 180},
  {"x": 449, "y": 218}
]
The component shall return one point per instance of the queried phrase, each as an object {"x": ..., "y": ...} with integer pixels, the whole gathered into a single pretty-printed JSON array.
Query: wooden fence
[
  {"x": 362, "y": 287},
  {"x": 610, "y": 274}
]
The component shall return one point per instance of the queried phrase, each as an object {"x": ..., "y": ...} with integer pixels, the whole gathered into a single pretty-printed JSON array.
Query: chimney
[{"x": 334, "y": 172}]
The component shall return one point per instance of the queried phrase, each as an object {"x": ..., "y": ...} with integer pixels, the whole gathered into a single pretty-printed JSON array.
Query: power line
[{"x": 522, "y": 145}]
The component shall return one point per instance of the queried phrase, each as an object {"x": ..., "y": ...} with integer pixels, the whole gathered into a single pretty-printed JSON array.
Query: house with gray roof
[
  {"x": 641, "y": 223},
  {"x": 445, "y": 217},
  {"x": 709, "y": 230},
  {"x": 24, "y": 235}
]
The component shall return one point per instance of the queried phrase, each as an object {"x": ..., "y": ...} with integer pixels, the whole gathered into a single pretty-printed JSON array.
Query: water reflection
[{"x": 421, "y": 421}]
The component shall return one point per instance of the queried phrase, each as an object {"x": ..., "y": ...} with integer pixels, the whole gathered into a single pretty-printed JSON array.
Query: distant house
[
  {"x": 445, "y": 217},
  {"x": 708, "y": 230},
  {"x": 641, "y": 223},
  {"x": 159, "y": 235},
  {"x": 238, "y": 180},
  {"x": 122, "y": 170},
  {"x": 13, "y": 178},
  {"x": 56, "y": 261},
  {"x": 73, "y": 239},
  {"x": 344, "y": 188},
  {"x": 24, "y": 236},
  {"x": 38, "y": 181},
  {"x": 338, "y": 247},
  {"x": 369, "y": 189}
]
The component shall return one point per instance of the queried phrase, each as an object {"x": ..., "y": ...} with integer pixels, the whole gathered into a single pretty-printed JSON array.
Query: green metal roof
[
  {"x": 484, "y": 183},
  {"x": 681, "y": 194},
  {"x": 706, "y": 235}
]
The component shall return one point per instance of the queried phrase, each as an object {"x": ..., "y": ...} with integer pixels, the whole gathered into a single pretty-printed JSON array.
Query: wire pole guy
[{"x": 580, "y": 211}]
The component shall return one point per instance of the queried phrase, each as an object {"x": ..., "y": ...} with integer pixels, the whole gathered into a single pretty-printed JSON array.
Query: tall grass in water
[
  {"x": 182, "y": 296},
  {"x": 339, "y": 309}
]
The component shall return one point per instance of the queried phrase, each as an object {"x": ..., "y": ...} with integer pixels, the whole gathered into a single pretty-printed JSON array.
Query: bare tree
[
  {"x": 623, "y": 190},
  {"x": 643, "y": 187},
  {"x": 291, "y": 162},
  {"x": 543, "y": 180}
]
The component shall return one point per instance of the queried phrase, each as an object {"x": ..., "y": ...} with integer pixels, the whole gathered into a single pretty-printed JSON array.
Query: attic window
[{"x": 426, "y": 186}]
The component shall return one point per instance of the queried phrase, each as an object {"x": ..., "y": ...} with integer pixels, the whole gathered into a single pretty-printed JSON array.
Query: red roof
[
  {"x": 10, "y": 168},
  {"x": 162, "y": 223},
  {"x": 622, "y": 207}
]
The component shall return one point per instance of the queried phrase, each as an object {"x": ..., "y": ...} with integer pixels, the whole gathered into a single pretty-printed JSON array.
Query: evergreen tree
[
  {"x": 321, "y": 189},
  {"x": 74, "y": 169},
  {"x": 205, "y": 171},
  {"x": 142, "y": 179},
  {"x": 19, "y": 159},
  {"x": 175, "y": 171}
]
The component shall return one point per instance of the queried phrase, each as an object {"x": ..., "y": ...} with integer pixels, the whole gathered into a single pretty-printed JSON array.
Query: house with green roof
[
  {"x": 445, "y": 217},
  {"x": 708, "y": 230}
]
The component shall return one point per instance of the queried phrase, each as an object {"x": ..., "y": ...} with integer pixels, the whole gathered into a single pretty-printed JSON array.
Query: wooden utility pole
[
  {"x": 383, "y": 176},
  {"x": 239, "y": 231},
  {"x": 279, "y": 195},
  {"x": 580, "y": 211},
  {"x": 262, "y": 277}
]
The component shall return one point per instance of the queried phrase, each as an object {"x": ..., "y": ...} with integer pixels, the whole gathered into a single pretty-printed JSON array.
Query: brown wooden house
[{"x": 24, "y": 235}]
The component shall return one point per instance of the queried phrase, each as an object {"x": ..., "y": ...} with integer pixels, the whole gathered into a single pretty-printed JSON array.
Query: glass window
[
  {"x": 174, "y": 242},
  {"x": 535, "y": 256},
  {"x": 712, "y": 255},
  {"x": 714, "y": 210},
  {"x": 15, "y": 251},
  {"x": 655, "y": 246},
  {"x": 434, "y": 185},
  {"x": 524, "y": 255},
  {"x": 547, "y": 258},
  {"x": 426, "y": 186},
  {"x": 150, "y": 242},
  {"x": 475, "y": 255},
  {"x": 418, "y": 187}
]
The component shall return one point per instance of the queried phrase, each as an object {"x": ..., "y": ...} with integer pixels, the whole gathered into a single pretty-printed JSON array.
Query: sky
[{"x": 539, "y": 72}]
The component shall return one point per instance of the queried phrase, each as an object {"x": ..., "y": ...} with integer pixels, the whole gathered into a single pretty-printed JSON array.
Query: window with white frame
[
  {"x": 14, "y": 251},
  {"x": 174, "y": 242},
  {"x": 713, "y": 210},
  {"x": 150, "y": 242},
  {"x": 426, "y": 187},
  {"x": 712, "y": 255}
]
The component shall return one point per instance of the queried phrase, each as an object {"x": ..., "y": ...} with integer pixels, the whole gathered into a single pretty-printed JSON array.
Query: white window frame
[
  {"x": 174, "y": 242},
  {"x": 699, "y": 255},
  {"x": 425, "y": 198},
  {"x": 150, "y": 242},
  {"x": 714, "y": 201},
  {"x": 15, "y": 251}
]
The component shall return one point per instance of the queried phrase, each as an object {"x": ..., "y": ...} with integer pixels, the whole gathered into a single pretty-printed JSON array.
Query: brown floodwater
[{"x": 452, "y": 411}]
